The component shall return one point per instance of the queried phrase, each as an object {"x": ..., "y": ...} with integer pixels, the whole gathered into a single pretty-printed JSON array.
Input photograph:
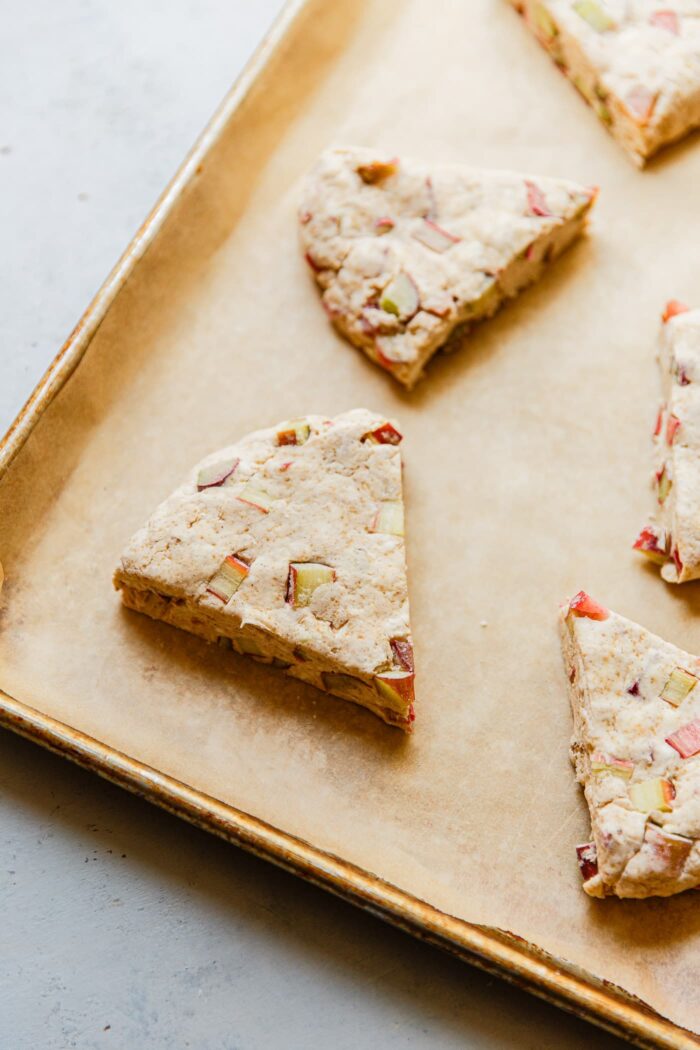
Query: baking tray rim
[{"x": 496, "y": 951}]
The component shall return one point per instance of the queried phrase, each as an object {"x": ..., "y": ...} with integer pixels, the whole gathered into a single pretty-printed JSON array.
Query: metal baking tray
[{"x": 208, "y": 327}]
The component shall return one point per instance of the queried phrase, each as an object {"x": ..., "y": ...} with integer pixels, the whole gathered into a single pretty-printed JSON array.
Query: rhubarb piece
[
  {"x": 672, "y": 309},
  {"x": 595, "y": 13},
  {"x": 587, "y": 860},
  {"x": 389, "y": 518},
  {"x": 278, "y": 563},
  {"x": 640, "y": 101},
  {"x": 673, "y": 540},
  {"x": 535, "y": 200},
  {"x": 376, "y": 171},
  {"x": 634, "y": 755},
  {"x": 583, "y": 605},
  {"x": 671, "y": 428},
  {"x": 228, "y": 579},
  {"x": 386, "y": 434},
  {"x": 403, "y": 653},
  {"x": 678, "y": 684},
  {"x": 636, "y": 67},
  {"x": 620, "y": 767},
  {"x": 396, "y": 688},
  {"x": 652, "y": 545},
  {"x": 655, "y": 794},
  {"x": 686, "y": 740},
  {"x": 256, "y": 496},
  {"x": 664, "y": 483},
  {"x": 297, "y": 432},
  {"x": 303, "y": 579},
  {"x": 401, "y": 298},
  {"x": 667, "y": 20},
  {"x": 434, "y": 237},
  {"x": 213, "y": 475}
]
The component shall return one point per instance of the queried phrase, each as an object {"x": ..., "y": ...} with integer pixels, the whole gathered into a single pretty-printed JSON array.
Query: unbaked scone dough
[
  {"x": 672, "y": 537},
  {"x": 407, "y": 253},
  {"x": 636, "y": 749},
  {"x": 636, "y": 62},
  {"x": 289, "y": 546}
]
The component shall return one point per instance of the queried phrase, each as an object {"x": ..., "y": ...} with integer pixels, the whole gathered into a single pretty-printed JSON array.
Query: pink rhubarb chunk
[
  {"x": 535, "y": 200},
  {"x": 686, "y": 740},
  {"x": 583, "y": 605},
  {"x": 587, "y": 860},
  {"x": 665, "y": 20},
  {"x": 672, "y": 309}
]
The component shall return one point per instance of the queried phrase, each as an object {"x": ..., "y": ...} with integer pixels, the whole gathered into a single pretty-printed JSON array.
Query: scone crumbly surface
[
  {"x": 289, "y": 545},
  {"x": 636, "y": 750},
  {"x": 407, "y": 252}
]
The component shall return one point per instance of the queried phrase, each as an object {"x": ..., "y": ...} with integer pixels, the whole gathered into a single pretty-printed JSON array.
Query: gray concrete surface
[{"x": 119, "y": 926}]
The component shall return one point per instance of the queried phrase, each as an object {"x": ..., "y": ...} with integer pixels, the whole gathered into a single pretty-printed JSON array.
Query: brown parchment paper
[{"x": 527, "y": 458}]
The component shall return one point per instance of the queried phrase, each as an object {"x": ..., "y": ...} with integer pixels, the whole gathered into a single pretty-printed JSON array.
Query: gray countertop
[{"x": 122, "y": 927}]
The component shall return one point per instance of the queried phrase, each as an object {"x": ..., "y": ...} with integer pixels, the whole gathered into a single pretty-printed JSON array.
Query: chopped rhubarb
[
  {"x": 659, "y": 421},
  {"x": 228, "y": 579},
  {"x": 535, "y": 200},
  {"x": 640, "y": 101},
  {"x": 255, "y": 496},
  {"x": 384, "y": 225},
  {"x": 545, "y": 23},
  {"x": 686, "y": 740},
  {"x": 633, "y": 690},
  {"x": 305, "y": 217},
  {"x": 620, "y": 767},
  {"x": 389, "y": 518},
  {"x": 678, "y": 685},
  {"x": 312, "y": 263},
  {"x": 594, "y": 13},
  {"x": 378, "y": 170},
  {"x": 677, "y": 560},
  {"x": 672, "y": 426},
  {"x": 664, "y": 484},
  {"x": 587, "y": 856},
  {"x": 651, "y": 545},
  {"x": 304, "y": 579},
  {"x": 403, "y": 653},
  {"x": 583, "y": 605},
  {"x": 386, "y": 434},
  {"x": 671, "y": 851},
  {"x": 673, "y": 308},
  {"x": 434, "y": 236},
  {"x": 400, "y": 297},
  {"x": 348, "y": 687},
  {"x": 681, "y": 375},
  {"x": 667, "y": 20},
  {"x": 396, "y": 687},
  {"x": 296, "y": 432},
  {"x": 649, "y": 796},
  {"x": 247, "y": 646},
  {"x": 216, "y": 474}
]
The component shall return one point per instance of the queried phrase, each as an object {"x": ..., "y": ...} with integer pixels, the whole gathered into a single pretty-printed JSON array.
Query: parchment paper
[{"x": 527, "y": 458}]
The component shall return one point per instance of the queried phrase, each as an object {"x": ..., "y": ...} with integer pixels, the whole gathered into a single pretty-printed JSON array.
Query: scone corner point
[
  {"x": 289, "y": 547},
  {"x": 636, "y": 752},
  {"x": 410, "y": 255},
  {"x": 671, "y": 536}
]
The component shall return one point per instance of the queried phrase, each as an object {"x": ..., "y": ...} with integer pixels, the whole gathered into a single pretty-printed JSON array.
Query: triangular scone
[
  {"x": 636, "y": 749},
  {"x": 289, "y": 546},
  {"x": 408, "y": 252},
  {"x": 636, "y": 62},
  {"x": 672, "y": 539}
]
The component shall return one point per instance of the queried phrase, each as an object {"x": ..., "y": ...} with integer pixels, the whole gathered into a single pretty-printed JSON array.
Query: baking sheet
[{"x": 526, "y": 466}]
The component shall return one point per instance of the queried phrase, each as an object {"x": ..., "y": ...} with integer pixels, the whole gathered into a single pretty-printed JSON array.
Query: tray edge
[{"x": 506, "y": 955}]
